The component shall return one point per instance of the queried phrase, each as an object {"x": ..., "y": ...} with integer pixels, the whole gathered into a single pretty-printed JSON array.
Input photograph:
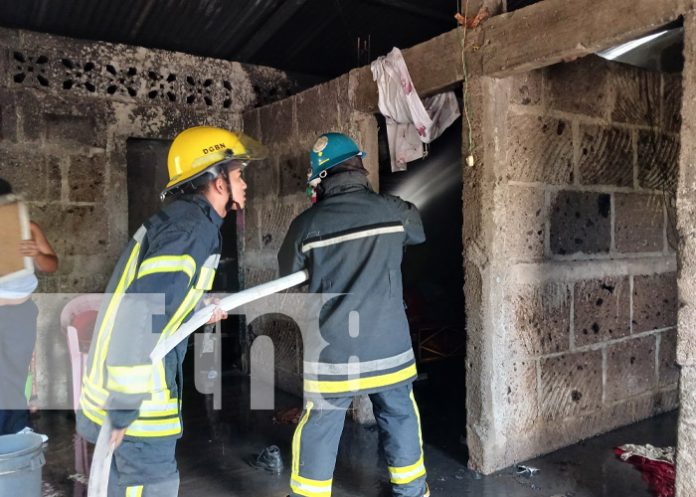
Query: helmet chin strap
[{"x": 231, "y": 203}]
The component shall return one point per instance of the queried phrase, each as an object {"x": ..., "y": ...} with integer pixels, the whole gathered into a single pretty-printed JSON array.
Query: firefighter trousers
[
  {"x": 144, "y": 470},
  {"x": 315, "y": 443}
]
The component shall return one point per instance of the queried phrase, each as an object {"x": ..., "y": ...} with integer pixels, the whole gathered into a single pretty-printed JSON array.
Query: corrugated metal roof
[{"x": 309, "y": 36}]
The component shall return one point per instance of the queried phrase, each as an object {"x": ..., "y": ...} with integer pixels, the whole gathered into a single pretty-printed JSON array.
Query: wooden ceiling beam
[{"x": 537, "y": 36}]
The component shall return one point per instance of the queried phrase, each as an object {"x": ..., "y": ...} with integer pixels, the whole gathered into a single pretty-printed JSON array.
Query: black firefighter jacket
[
  {"x": 352, "y": 242},
  {"x": 162, "y": 274}
]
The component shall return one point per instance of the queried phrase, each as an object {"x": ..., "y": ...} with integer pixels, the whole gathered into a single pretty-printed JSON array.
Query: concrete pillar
[
  {"x": 363, "y": 127},
  {"x": 686, "y": 219}
]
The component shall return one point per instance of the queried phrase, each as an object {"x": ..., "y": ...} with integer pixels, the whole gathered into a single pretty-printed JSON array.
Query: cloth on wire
[
  {"x": 410, "y": 121},
  {"x": 656, "y": 465}
]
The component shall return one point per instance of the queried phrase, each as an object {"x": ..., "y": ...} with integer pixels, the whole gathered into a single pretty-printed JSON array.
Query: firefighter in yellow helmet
[{"x": 159, "y": 279}]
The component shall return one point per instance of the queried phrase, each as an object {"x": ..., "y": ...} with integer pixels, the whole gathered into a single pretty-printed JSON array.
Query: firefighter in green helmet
[{"x": 352, "y": 241}]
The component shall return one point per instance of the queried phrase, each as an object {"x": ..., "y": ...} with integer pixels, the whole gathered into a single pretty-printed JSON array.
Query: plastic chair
[{"x": 77, "y": 322}]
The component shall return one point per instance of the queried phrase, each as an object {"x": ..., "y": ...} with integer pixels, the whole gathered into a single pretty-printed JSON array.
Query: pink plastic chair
[
  {"x": 85, "y": 309},
  {"x": 76, "y": 321}
]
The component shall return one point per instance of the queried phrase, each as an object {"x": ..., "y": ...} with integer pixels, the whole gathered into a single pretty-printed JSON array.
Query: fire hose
[{"x": 103, "y": 451}]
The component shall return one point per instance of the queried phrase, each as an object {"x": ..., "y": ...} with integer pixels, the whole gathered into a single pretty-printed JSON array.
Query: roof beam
[
  {"x": 537, "y": 36},
  {"x": 281, "y": 16}
]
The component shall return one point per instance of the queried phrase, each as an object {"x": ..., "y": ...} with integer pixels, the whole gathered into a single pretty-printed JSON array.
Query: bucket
[{"x": 21, "y": 460}]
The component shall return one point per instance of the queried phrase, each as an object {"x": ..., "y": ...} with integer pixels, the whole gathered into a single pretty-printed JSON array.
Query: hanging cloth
[{"x": 410, "y": 121}]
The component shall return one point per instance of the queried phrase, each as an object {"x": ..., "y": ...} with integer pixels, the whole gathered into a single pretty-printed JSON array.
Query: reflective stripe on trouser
[
  {"x": 169, "y": 488},
  {"x": 136, "y": 491},
  {"x": 315, "y": 445},
  {"x": 316, "y": 439},
  {"x": 398, "y": 420}
]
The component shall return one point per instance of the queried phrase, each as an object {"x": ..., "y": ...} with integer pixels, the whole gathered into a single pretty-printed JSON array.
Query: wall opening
[
  {"x": 433, "y": 283},
  {"x": 146, "y": 165}
]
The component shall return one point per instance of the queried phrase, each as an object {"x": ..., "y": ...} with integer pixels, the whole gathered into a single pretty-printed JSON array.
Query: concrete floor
[{"x": 215, "y": 444}]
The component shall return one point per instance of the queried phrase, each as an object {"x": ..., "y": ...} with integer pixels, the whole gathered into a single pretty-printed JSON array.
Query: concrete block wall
[
  {"x": 67, "y": 109},
  {"x": 277, "y": 193},
  {"x": 570, "y": 261}
]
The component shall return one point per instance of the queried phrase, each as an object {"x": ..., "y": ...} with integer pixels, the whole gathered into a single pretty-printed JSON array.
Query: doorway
[{"x": 433, "y": 278}]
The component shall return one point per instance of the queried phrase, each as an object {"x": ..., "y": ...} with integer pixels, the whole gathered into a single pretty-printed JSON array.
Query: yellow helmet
[{"x": 200, "y": 149}]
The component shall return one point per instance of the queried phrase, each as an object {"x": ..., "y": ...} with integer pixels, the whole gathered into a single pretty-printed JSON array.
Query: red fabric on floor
[{"x": 659, "y": 475}]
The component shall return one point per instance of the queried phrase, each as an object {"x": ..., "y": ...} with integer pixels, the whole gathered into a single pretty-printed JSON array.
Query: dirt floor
[{"x": 216, "y": 444}]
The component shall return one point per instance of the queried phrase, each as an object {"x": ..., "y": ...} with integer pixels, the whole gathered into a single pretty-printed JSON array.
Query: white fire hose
[{"x": 103, "y": 451}]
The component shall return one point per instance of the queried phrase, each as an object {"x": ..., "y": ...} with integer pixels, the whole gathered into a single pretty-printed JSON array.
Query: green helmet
[{"x": 330, "y": 150}]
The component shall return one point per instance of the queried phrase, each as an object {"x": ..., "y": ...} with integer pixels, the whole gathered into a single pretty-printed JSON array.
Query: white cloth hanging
[{"x": 410, "y": 121}]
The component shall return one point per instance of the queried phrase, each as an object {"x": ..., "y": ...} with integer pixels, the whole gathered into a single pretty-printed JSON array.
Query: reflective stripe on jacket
[
  {"x": 159, "y": 279},
  {"x": 352, "y": 243}
]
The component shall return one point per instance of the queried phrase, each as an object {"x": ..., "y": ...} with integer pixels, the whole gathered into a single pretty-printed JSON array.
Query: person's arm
[
  {"x": 410, "y": 218},
  {"x": 413, "y": 223},
  {"x": 38, "y": 248},
  {"x": 290, "y": 256}
]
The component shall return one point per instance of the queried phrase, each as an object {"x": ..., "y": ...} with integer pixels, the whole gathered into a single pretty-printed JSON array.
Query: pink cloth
[{"x": 410, "y": 121}]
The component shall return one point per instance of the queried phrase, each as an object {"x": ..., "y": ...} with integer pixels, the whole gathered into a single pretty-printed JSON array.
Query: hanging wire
[{"x": 462, "y": 29}]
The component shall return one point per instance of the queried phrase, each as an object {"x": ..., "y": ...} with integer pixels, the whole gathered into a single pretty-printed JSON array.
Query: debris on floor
[
  {"x": 656, "y": 465},
  {"x": 268, "y": 460},
  {"x": 466, "y": 473},
  {"x": 526, "y": 470},
  {"x": 47, "y": 490},
  {"x": 287, "y": 416},
  {"x": 79, "y": 478}
]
